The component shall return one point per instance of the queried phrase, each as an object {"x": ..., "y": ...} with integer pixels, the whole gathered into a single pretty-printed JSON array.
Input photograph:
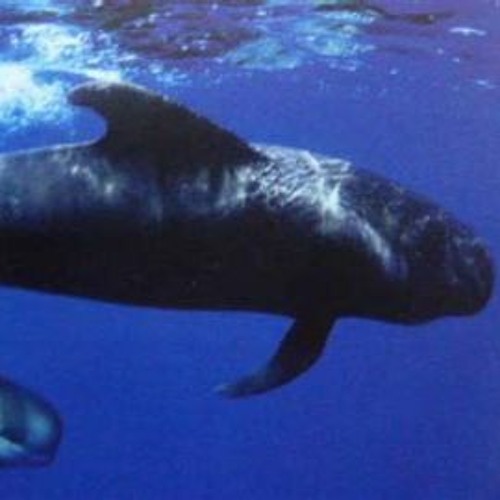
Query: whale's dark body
[{"x": 169, "y": 210}]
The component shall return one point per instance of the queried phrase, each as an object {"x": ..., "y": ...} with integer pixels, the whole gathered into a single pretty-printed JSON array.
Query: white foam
[
  {"x": 24, "y": 99},
  {"x": 27, "y": 97},
  {"x": 467, "y": 31}
]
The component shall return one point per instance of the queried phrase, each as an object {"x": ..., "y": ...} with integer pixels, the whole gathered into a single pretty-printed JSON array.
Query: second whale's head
[{"x": 30, "y": 428}]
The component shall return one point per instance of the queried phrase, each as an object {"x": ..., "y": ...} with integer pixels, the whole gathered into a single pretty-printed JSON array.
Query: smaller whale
[
  {"x": 169, "y": 210},
  {"x": 30, "y": 428}
]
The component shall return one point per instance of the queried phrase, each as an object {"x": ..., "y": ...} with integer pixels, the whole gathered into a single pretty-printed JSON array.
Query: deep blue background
[{"x": 389, "y": 412}]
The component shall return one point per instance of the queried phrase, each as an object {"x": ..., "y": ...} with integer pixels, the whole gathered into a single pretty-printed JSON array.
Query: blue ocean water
[{"x": 409, "y": 89}]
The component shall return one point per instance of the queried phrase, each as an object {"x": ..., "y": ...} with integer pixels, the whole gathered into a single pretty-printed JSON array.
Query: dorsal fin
[{"x": 145, "y": 123}]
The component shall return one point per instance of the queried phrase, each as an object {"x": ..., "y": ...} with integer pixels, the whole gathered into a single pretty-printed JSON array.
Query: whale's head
[
  {"x": 30, "y": 429},
  {"x": 451, "y": 270}
]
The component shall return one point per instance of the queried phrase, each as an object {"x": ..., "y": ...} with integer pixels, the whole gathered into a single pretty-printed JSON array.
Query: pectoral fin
[{"x": 301, "y": 347}]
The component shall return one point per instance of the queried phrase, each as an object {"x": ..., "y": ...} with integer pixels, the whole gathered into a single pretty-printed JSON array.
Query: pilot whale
[
  {"x": 30, "y": 428},
  {"x": 169, "y": 210}
]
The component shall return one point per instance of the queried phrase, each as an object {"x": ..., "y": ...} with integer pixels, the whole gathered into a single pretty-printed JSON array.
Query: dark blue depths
[{"x": 389, "y": 412}]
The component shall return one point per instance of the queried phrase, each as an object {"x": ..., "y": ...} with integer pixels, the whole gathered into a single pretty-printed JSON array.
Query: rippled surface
[
  {"x": 169, "y": 41},
  {"x": 258, "y": 34}
]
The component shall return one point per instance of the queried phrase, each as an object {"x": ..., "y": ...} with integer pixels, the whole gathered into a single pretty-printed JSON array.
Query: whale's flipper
[
  {"x": 301, "y": 347},
  {"x": 145, "y": 123}
]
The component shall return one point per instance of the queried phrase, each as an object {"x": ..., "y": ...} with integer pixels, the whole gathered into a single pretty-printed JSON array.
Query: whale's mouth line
[{"x": 15, "y": 454}]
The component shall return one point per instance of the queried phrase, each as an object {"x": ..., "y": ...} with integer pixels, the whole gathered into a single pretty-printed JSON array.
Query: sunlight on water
[
  {"x": 24, "y": 98},
  {"x": 27, "y": 97},
  {"x": 54, "y": 44},
  {"x": 142, "y": 41},
  {"x": 34, "y": 53},
  {"x": 31, "y": 4},
  {"x": 288, "y": 43},
  {"x": 67, "y": 48},
  {"x": 467, "y": 31},
  {"x": 336, "y": 36},
  {"x": 26, "y": 94}
]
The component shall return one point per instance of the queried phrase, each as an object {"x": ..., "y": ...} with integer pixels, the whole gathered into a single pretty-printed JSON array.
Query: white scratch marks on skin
[
  {"x": 335, "y": 217},
  {"x": 201, "y": 182},
  {"x": 109, "y": 188},
  {"x": 309, "y": 159},
  {"x": 298, "y": 178},
  {"x": 333, "y": 202},
  {"x": 379, "y": 247},
  {"x": 341, "y": 221},
  {"x": 90, "y": 178},
  {"x": 233, "y": 192}
]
